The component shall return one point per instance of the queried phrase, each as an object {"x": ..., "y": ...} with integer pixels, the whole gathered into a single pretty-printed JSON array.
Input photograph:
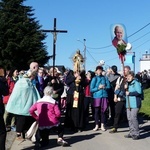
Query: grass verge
[{"x": 145, "y": 109}]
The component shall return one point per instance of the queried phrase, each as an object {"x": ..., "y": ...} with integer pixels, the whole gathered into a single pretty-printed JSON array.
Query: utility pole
[
  {"x": 84, "y": 54},
  {"x": 54, "y": 32},
  {"x": 134, "y": 62}
]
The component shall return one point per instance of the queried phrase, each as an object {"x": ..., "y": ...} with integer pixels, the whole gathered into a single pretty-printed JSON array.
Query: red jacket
[
  {"x": 11, "y": 84},
  {"x": 87, "y": 88}
]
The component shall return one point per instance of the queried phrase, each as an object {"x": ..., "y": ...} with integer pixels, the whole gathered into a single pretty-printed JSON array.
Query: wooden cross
[{"x": 54, "y": 32}]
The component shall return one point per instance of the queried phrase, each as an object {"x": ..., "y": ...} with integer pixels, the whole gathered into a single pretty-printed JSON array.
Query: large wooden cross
[{"x": 54, "y": 32}]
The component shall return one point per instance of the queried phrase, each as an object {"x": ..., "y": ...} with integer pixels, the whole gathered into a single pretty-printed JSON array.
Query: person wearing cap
[
  {"x": 112, "y": 75},
  {"x": 99, "y": 86}
]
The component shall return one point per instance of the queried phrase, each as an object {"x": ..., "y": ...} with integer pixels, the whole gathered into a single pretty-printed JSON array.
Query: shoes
[
  {"x": 96, "y": 128},
  {"x": 37, "y": 145},
  {"x": 113, "y": 130},
  {"x": 20, "y": 138},
  {"x": 128, "y": 136},
  {"x": 62, "y": 142},
  {"x": 79, "y": 130},
  {"x": 8, "y": 129},
  {"x": 102, "y": 127},
  {"x": 134, "y": 137}
]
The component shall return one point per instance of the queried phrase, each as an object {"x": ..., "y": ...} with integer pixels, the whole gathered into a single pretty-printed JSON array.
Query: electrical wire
[{"x": 127, "y": 37}]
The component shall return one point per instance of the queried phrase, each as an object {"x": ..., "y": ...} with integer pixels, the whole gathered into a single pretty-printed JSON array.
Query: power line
[
  {"x": 139, "y": 30},
  {"x": 92, "y": 56},
  {"x": 140, "y": 37},
  {"x": 102, "y": 52},
  {"x": 141, "y": 44},
  {"x": 127, "y": 37},
  {"x": 131, "y": 42},
  {"x": 100, "y": 47}
]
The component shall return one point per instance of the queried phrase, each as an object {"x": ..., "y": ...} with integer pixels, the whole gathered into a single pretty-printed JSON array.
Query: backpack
[
  {"x": 142, "y": 90},
  {"x": 121, "y": 91}
]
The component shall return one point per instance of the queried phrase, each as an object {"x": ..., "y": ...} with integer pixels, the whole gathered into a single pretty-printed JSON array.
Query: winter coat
[
  {"x": 47, "y": 112},
  {"x": 134, "y": 98},
  {"x": 23, "y": 96},
  {"x": 94, "y": 86},
  {"x": 11, "y": 84}
]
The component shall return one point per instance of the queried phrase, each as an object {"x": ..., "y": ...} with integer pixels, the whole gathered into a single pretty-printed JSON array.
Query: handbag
[{"x": 30, "y": 134}]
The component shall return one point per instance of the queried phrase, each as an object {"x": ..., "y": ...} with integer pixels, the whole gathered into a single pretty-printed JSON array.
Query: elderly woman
[
  {"x": 48, "y": 114},
  {"x": 133, "y": 104},
  {"x": 23, "y": 96}
]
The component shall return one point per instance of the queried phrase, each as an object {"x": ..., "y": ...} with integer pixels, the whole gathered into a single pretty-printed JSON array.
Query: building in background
[{"x": 145, "y": 62}]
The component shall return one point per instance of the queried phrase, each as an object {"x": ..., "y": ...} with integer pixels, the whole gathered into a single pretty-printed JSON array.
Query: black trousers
[
  {"x": 44, "y": 134},
  {"x": 23, "y": 123},
  {"x": 2, "y": 133},
  {"x": 119, "y": 107},
  {"x": 88, "y": 101},
  {"x": 2, "y": 128}
]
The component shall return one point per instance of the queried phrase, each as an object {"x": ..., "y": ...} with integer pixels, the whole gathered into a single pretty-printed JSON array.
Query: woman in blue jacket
[
  {"x": 98, "y": 87},
  {"x": 133, "y": 104}
]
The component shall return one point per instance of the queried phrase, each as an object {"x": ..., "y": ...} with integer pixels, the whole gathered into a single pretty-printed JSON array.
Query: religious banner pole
[
  {"x": 120, "y": 42},
  {"x": 54, "y": 32},
  {"x": 54, "y": 45}
]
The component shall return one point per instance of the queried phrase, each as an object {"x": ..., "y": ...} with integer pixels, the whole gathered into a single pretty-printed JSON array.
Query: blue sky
[{"x": 91, "y": 20}]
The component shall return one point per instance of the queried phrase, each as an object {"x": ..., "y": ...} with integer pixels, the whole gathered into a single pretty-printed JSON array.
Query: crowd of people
[{"x": 44, "y": 95}]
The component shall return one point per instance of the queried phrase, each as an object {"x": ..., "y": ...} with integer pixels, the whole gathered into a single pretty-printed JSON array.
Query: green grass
[{"x": 145, "y": 109}]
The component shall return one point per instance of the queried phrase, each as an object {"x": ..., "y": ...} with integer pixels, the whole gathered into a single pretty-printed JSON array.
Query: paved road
[{"x": 96, "y": 140}]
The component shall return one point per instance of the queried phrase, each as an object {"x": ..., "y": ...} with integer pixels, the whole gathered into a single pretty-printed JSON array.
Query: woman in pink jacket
[{"x": 47, "y": 113}]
